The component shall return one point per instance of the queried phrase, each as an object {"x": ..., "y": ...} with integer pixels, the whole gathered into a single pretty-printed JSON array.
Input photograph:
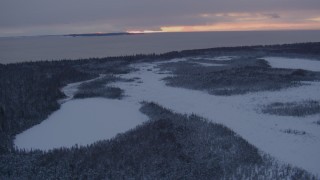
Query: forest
[
  {"x": 238, "y": 76},
  {"x": 174, "y": 146},
  {"x": 29, "y": 93}
]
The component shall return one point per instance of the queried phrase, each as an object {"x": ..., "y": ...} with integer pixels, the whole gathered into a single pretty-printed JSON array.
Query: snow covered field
[
  {"x": 81, "y": 122},
  {"x": 295, "y": 63},
  {"x": 240, "y": 114},
  {"x": 210, "y": 64},
  {"x": 70, "y": 90},
  {"x": 88, "y": 120},
  {"x": 219, "y": 58}
]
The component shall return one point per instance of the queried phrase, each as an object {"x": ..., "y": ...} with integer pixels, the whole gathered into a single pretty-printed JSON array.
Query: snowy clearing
[
  {"x": 217, "y": 58},
  {"x": 293, "y": 63},
  {"x": 81, "y": 122},
  {"x": 209, "y": 64},
  {"x": 71, "y": 89},
  {"x": 175, "y": 60},
  {"x": 196, "y": 59},
  {"x": 222, "y": 58},
  {"x": 240, "y": 114}
]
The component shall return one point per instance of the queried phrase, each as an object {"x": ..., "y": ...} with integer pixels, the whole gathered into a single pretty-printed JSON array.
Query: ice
[
  {"x": 293, "y": 63},
  {"x": 81, "y": 122},
  {"x": 21, "y": 49}
]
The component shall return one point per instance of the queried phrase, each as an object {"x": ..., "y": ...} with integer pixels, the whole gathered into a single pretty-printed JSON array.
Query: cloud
[
  {"x": 242, "y": 26},
  {"x": 240, "y": 16},
  {"x": 317, "y": 19},
  {"x": 272, "y": 15},
  {"x": 120, "y": 15}
]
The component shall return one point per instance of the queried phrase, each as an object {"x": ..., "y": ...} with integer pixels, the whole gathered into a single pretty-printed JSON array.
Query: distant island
[{"x": 102, "y": 34}]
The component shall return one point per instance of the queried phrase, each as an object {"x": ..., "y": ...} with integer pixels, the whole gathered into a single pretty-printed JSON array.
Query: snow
[
  {"x": 88, "y": 120},
  {"x": 293, "y": 63},
  {"x": 70, "y": 89},
  {"x": 209, "y": 64},
  {"x": 195, "y": 60},
  {"x": 217, "y": 58},
  {"x": 223, "y": 58},
  {"x": 240, "y": 114},
  {"x": 175, "y": 60},
  {"x": 81, "y": 122}
]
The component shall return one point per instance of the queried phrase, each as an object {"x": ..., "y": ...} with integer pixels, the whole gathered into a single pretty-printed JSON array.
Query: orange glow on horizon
[
  {"x": 237, "y": 26},
  {"x": 143, "y": 31}
]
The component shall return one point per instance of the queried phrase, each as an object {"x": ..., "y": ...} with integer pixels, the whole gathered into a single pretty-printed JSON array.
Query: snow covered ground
[
  {"x": 81, "y": 122},
  {"x": 88, "y": 120},
  {"x": 196, "y": 60},
  {"x": 240, "y": 113},
  {"x": 294, "y": 63},
  {"x": 209, "y": 64},
  {"x": 71, "y": 89},
  {"x": 218, "y": 58}
]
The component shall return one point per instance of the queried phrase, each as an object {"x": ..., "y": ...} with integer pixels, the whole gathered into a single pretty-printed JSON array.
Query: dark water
[{"x": 21, "y": 49}]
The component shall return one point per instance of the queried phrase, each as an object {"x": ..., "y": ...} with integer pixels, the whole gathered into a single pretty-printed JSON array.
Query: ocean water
[{"x": 21, "y": 49}]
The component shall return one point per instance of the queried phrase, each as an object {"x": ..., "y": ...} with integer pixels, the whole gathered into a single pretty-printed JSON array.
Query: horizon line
[{"x": 143, "y": 32}]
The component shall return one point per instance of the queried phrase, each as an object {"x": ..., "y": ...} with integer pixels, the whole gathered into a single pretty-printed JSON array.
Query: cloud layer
[{"x": 33, "y": 17}]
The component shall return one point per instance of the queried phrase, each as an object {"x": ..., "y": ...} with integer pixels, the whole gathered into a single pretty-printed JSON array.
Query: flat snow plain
[
  {"x": 81, "y": 122},
  {"x": 88, "y": 120}
]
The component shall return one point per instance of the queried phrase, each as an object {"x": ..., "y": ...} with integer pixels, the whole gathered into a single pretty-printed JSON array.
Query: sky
[{"x": 43, "y": 17}]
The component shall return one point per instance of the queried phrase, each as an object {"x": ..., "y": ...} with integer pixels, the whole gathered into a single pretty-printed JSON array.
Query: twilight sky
[{"x": 39, "y": 17}]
